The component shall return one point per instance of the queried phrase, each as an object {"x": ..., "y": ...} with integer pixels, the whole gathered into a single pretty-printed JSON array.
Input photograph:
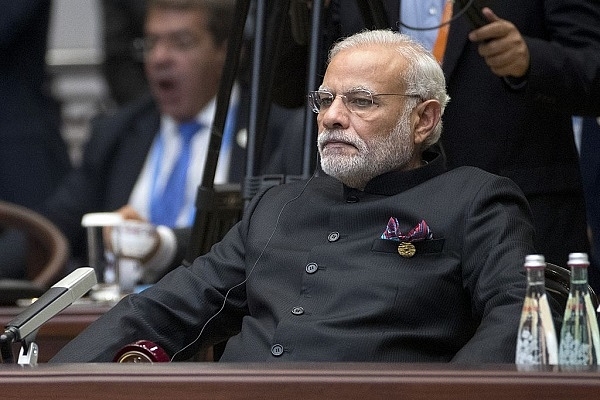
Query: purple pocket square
[{"x": 420, "y": 232}]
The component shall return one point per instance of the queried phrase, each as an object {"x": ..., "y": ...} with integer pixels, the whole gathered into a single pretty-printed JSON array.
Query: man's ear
[{"x": 427, "y": 114}]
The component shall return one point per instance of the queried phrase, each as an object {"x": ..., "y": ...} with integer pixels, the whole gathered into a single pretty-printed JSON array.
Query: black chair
[
  {"x": 46, "y": 258},
  {"x": 558, "y": 282}
]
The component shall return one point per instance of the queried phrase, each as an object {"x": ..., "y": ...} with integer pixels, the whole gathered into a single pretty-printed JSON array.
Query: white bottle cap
[
  {"x": 535, "y": 261},
  {"x": 580, "y": 259}
]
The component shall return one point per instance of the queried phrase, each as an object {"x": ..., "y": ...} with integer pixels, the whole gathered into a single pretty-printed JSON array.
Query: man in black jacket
[
  {"x": 514, "y": 83},
  {"x": 386, "y": 257}
]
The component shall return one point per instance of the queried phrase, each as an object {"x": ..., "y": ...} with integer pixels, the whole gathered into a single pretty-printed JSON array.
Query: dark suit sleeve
[
  {"x": 173, "y": 312},
  {"x": 496, "y": 230}
]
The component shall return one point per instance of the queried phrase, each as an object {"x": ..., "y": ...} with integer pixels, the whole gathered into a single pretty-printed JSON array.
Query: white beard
[{"x": 375, "y": 156}]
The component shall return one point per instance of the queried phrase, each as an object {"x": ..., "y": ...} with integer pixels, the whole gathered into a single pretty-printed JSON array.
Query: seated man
[
  {"x": 132, "y": 156},
  {"x": 385, "y": 257}
]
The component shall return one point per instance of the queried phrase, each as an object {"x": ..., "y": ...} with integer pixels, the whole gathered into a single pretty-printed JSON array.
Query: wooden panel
[
  {"x": 292, "y": 381},
  {"x": 271, "y": 381}
]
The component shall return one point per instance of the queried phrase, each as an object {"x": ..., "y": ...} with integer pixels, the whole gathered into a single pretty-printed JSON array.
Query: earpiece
[{"x": 249, "y": 273}]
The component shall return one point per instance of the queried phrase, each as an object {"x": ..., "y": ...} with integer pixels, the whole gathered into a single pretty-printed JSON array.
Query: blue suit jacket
[
  {"x": 113, "y": 159},
  {"x": 115, "y": 155}
]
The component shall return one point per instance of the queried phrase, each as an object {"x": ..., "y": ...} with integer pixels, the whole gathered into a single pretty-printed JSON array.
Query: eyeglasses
[
  {"x": 359, "y": 101},
  {"x": 178, "y": 41}
]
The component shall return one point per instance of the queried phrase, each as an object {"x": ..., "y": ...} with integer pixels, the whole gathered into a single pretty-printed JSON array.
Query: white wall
[
  {"x": 75, "y": 32},
  {"x": 74, "y": 57}
]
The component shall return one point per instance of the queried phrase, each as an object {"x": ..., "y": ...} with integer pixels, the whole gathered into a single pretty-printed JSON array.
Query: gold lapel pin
[{"x": 406, "y": 250}]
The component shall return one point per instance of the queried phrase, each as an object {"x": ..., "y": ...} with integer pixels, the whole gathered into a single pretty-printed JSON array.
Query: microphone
[{"x": 53, "y": 301}]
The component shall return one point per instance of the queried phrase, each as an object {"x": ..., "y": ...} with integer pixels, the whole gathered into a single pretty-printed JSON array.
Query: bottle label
[
  {"x": 579, "y": 339},
  {"x": 536, "y": 341}
]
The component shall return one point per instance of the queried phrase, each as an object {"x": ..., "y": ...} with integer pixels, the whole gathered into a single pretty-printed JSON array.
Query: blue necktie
[{"x": 165, "y": 208}]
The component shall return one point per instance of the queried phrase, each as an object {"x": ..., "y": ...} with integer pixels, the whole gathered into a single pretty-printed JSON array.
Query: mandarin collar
[{"x": 394, "y": 182}]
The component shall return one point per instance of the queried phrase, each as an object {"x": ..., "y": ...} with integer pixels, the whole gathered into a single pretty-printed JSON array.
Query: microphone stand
[
  {"x": 6, "y": 351},
  {"x": 24, "y": 327},
  {"x": 217, "y": 209},
  {"x": 208, "y": 227},
  {"x": 269, "y": 31},
  {"x": 28, "y": 354}
]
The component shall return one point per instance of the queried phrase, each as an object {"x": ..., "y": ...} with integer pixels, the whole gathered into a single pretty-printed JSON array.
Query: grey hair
[
  {"x": 423, "y": 77},
  {"x": 220, "y": 14}
]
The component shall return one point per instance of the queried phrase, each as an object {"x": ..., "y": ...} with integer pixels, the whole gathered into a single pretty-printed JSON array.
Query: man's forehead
[
  {"x": 374, "y": 51},
  {"x": 372, "y": 68},
  {"x": 172, "y": 19}
]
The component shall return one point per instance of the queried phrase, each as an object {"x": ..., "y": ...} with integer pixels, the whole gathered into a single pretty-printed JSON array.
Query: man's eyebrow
[
  {"x": 357, "y": 88},
  {"x": 352, "y": 89},
  {"x": 178, "y": 32}
]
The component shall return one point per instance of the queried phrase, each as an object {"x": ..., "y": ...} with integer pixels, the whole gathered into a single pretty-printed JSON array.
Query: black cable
[{"x": 429, "y": 28}]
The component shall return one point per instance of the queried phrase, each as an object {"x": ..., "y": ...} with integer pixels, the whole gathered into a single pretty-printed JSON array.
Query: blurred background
[{"x": 75, "y": 54}]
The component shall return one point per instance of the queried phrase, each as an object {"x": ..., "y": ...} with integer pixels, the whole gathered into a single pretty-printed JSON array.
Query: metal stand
[
  {"x": 219, "y": 208},
  {"x": 28, "y": 354},
  {"x": 207, "y": 218}
]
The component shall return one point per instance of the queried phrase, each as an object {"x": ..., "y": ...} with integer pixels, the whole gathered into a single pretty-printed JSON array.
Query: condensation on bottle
[
  {"x": 536, "y": 339},
  {"x": 579, "y": 337}
]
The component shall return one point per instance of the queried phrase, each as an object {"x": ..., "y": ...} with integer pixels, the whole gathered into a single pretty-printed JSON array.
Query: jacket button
[
  {"x": 352, "y": 199},
  {"x": 277, "y": 350},
  {"x": 297, "y": 310},
  {"x": 333, "y": 236},
  {"x": 311, "y": 268}
]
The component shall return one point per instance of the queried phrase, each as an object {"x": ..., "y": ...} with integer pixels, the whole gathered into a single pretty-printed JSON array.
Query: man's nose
[
  {"x": 336, "y": 115},
  {"x": 159, "y": 52}
]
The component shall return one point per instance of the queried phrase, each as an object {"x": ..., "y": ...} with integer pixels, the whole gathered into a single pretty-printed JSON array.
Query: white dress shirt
[
  {"x": 163, "y": 155},
  {"x": 422, "y": 14},
  {"x": 159, "y": 164}
]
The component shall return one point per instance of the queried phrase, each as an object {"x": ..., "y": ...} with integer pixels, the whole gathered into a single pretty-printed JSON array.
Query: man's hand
[
  {"x": 128, "y": 212},
  {"x": 502, "y": 46}
]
